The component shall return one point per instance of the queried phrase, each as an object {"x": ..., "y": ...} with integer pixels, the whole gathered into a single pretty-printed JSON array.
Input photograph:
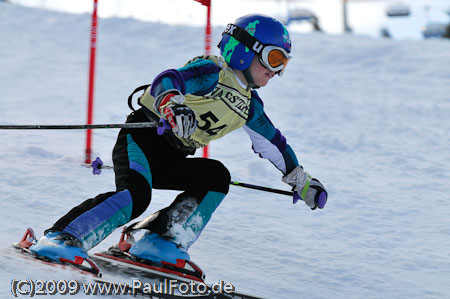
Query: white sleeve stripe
[{"x": 266, "y": 149}]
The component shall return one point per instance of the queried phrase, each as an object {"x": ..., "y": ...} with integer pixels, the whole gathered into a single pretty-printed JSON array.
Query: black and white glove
[
  {"x": 181, "y": 118},
  {"x": 310, "y": 190}
]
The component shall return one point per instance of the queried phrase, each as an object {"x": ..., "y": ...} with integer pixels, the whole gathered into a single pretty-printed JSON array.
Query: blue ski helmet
[{"x": 236, "y": 49}]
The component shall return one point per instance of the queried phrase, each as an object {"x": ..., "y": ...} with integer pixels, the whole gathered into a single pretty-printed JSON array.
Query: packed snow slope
[{"x": 369, "y": 118}]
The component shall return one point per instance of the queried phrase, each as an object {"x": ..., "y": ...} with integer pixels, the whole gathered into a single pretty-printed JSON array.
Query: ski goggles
[{"x": 272, "y": 57}]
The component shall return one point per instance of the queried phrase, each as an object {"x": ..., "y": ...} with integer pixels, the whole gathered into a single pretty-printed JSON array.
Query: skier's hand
[
  {"x": 306, "y": 188},
  {"x": 181, "y": 118},
  {"x": 169, "y": 96}
]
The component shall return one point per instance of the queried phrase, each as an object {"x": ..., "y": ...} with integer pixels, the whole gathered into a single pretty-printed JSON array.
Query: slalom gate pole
[
  {"x": 82, "y": 127},
  {"x": 208, "y": 39},
  {"x": 90, "y": 104}
]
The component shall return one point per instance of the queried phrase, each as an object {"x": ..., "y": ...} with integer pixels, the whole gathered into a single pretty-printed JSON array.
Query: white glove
[
  {"x": 310, "y": 190},
  {"x": 181, "y": 118},
  {"x": 171, "y": 95}
]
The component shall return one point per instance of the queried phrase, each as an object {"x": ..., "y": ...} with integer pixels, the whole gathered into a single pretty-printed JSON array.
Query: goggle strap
[{"x": 244, "y": 37}]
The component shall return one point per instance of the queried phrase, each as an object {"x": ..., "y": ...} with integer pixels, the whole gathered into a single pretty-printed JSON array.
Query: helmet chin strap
[{"x": 249, "y": 78}]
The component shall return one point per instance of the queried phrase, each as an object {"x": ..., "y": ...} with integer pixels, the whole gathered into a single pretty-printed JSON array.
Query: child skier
[{"x": 202, "y": 101}]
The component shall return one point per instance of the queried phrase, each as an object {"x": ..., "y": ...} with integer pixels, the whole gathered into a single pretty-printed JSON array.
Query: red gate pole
[
  {"x": 207, "y": 3},
  {"x": 90, "y": 109},
  {"x": 208, "y": 29}
]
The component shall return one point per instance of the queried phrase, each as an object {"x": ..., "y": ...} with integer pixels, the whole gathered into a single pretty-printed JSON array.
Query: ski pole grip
[
  {"x": 163, "y": 127},
  {"x": 322, "y": 200}
]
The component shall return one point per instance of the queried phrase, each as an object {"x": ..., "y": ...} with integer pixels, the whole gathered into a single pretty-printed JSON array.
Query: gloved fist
[
  {"x": 306, "y": 188},
  {"x": 181, "y": 119},
  {"x": 168, "y": 96}
]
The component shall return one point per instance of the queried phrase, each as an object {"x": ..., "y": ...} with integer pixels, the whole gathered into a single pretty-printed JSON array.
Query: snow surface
[{"x": 369, "y": 118}]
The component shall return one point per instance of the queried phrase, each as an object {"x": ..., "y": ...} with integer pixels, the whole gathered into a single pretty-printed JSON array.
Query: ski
[
  {"x": 170, "y": 280},
  {"x": 103, "y": 269}
]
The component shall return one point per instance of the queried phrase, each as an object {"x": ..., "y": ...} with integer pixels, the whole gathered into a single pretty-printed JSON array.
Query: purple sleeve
[{"x": 170, "y": 79}]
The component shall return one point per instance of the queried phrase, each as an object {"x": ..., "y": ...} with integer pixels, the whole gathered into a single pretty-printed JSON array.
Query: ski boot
[
  {"x": 58, "y": 247},
  {"x": 159, "y": 251},
  {"x": 153, "y": 247},
  {"x": 152, "y": 254}
]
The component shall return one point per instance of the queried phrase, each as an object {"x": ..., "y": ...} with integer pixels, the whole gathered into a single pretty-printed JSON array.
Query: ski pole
[
  {"x": 71, "y": 127},
  {"x": 97, "y": 166},
  {"x": 262, "y": 188}
]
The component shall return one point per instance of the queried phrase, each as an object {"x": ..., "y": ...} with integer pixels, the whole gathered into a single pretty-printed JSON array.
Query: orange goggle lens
[{"x": 276, "y": 58}]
